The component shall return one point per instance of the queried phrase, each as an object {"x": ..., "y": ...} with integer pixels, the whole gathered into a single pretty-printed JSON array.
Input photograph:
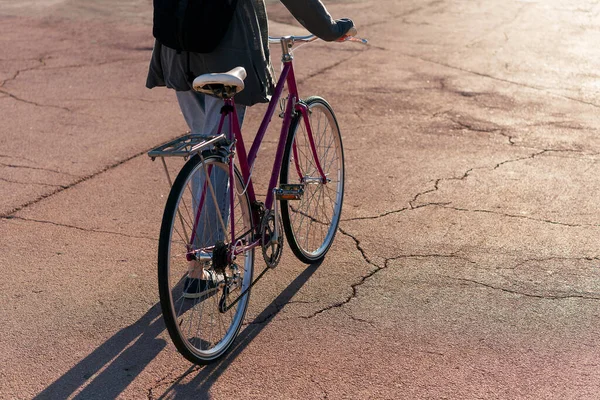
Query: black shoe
[{"x": 194, "y": 287}]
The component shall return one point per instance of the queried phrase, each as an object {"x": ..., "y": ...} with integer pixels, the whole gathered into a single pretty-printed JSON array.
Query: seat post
[
  {"x": 228, "y": 111},
  {"x": 286, "y": 44}
]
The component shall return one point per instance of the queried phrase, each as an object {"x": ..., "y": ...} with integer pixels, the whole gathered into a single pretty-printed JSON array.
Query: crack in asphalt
[
  {"x": 318, "y": 384},
  {"x": 471, "y": 126},
  {"x": 363, "y": 321},
  {"x": 30, "y": 183},
  {"x": 133, "y": 99},
  {"x": 503, "y": 214},
  {"x": 374, "y": 271},
  {"x": 98, "y": 64},
  {"x": 41, "y": 221},
  {"x": 41, "y": 60},
  {"x": 166, "y": 381},
  {"x": 325, "y": 69},
  {"x": 525, "y": 85},
  {"x": 362, "y": 279},
  {"x": 33, "y": 102},
  {"x": 589, "y": 103},
  {"x": 565, "y": 124},
  {"x": 35, "y": 168},
  {"x": 432, "y": 255},
  {"x": 42, "y": 63},
  {"x": 436, "y": 186},
  {"x": 16, "y": 157},
  {"x": 384, "y": 214},
  {"x": 277, "y": 308},
  {"x": 356, "y": 284},
  {"x": 75, "y": 183},
  {"x": 498, "y": 165},
  {"x": 483, "y": 75},
  {"x": 359, "y": 247},
  {"x": 522, "y": 293},
  {"x": 413, "y": 206},
  {"x": 596, "y": 258},
  {"x": 497, "y": 27},
  {"x": 402, "y": 15}
]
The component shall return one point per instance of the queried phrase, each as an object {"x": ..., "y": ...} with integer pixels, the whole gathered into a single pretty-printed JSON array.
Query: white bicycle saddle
[{"x": 223, "y": 85}]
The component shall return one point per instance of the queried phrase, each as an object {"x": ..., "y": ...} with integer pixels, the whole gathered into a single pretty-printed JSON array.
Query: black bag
[{"x": 192, "y": 25}]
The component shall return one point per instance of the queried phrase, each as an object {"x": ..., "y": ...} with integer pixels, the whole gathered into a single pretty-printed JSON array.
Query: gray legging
[{"x": 202, "y": 114}]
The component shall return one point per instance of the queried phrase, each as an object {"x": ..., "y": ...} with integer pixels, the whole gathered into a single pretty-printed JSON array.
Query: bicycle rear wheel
[
  {"x": 311, "y": 223},
  {"x": 198, "y": 326}
]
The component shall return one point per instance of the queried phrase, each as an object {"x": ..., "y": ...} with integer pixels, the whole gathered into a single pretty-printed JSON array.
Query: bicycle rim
[
  {"x": 311, "y": 223},
  {"x": 198, "y": 329}
]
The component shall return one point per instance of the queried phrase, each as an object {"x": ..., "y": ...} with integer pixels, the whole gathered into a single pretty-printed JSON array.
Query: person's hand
[{"x": 350, "y": 33}]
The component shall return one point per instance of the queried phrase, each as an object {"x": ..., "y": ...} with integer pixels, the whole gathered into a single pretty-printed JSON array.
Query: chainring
[{"x": 271, "y": 249}]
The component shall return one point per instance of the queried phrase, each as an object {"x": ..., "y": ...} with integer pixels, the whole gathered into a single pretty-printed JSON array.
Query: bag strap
[{"x": 190, "y": 75}]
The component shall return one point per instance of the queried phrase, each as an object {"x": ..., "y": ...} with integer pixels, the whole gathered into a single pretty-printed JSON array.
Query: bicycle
[{"x": 213, "y": 222}]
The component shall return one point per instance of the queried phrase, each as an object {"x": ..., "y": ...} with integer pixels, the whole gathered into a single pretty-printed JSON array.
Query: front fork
[{"x": 305, "y": 113}]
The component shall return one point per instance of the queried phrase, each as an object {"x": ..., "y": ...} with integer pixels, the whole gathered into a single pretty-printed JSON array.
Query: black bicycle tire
[{"x": 163, "y": 265}]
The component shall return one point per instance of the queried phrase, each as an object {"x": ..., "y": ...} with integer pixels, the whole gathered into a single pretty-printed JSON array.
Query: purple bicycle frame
[{"x": 247, "y": 159}]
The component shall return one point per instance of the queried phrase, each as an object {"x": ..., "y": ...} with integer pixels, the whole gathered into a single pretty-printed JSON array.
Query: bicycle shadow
[
  {"x": 200, "y": 385},
  {"x": 111, "y": 368}
]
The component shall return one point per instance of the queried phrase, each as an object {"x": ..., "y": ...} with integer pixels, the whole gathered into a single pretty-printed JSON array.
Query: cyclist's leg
[{"x": 202, "y": 114}]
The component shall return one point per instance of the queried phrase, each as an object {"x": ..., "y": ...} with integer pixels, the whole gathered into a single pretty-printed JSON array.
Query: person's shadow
[{"x": 108, "y": 370}]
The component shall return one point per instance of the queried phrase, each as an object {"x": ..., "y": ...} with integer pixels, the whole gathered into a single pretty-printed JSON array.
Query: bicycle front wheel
[
  {"x": 311, "y": 223},
  {"x": 197, "y": 218}
]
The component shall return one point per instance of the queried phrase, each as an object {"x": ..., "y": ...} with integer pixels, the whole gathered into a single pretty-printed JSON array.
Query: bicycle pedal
[{"x": 289, "y": 192}]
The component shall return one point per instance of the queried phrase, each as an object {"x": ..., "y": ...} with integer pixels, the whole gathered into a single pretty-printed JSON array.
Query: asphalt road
[{"x": 467, "y": 262}]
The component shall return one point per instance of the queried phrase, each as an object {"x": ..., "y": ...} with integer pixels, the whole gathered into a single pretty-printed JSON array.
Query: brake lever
[
  {"x": 355, "y": 39},
  {"x": 350, "y": 36}
]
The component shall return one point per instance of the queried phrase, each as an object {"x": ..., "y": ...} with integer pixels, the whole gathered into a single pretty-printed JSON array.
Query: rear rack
[{"x": 184, "y": 146}]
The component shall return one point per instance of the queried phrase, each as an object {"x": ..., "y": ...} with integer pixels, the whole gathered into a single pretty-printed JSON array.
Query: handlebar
[
  {"x": 301, "y": 39},
  {"x": 349, "y": 37},
  {"x": 287, "y": 42}
]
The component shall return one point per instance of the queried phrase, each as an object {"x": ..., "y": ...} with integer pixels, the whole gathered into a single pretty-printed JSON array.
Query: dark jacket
[{"x": 245, "y": 44}]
